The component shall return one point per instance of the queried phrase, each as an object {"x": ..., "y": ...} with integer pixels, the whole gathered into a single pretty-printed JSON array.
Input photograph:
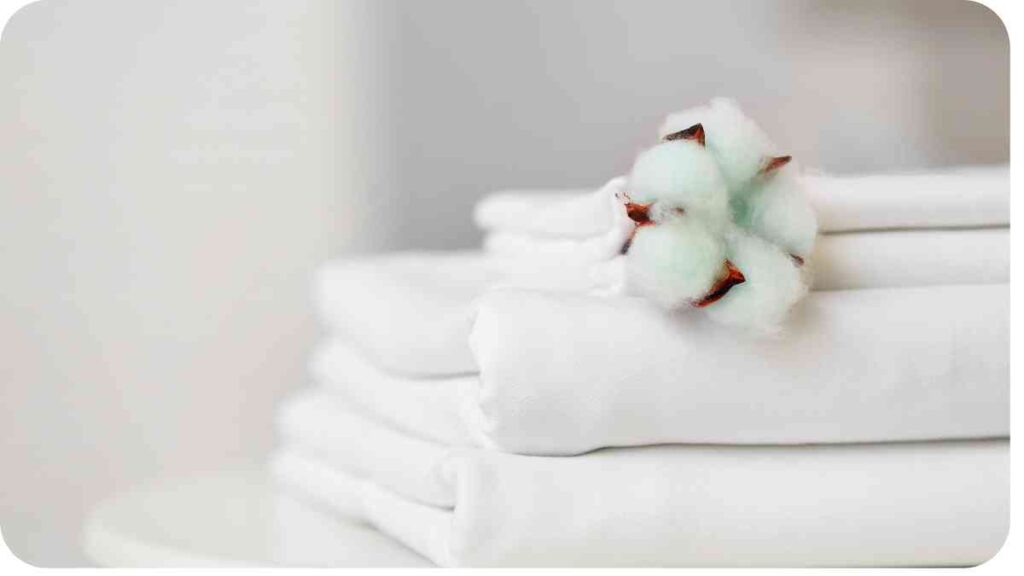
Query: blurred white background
[{"x": 171, "y": 172}]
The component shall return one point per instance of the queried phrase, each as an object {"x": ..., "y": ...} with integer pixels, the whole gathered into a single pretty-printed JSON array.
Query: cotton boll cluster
[
  {"x": 722, "y": 223},
  {"x": 764, "y": 192}
]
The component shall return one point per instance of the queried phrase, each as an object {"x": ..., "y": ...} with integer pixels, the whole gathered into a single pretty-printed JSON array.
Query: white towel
[
  {"x": 854, "y": 366},
  {"x": 965, "y": 197},
  {"x": 841, "y": 261},
  {"x": 939, "y": 503},
  {"x": 411, "y": 312},
  {"x": 430, "y": 408},
  {"x": 546, "y": 213},
  {"x": 911, "y": 258}
]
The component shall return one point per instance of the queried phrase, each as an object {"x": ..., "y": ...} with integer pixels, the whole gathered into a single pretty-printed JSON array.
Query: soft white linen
[
  {"x": 938, "y": 370},
  {"x": 429, "y": 408},
  {"x": 939, "y": 503},
  {"x": 591, "y": 249},
  {"x": 841, "y": 261},
  {"x": 965, "y": 197},
  {"x": 856, "y": 365},
  {"x": 546, "y": 213},
  {"x": 911, "y": 258},
  {"x": 410, "y": 312}
]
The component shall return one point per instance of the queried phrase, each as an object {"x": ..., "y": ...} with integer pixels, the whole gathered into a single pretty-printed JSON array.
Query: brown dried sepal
[
  {"x": 639, "y": 213},
  {"x": 797, "y": 259},
  {"x": 731, "y": 277},
  {"x": 773, "y": 163},
  {"x": 695, "y": 132}
]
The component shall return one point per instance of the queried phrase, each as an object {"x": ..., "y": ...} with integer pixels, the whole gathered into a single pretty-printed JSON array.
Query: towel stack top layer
[{"x": 963, "y": 198}]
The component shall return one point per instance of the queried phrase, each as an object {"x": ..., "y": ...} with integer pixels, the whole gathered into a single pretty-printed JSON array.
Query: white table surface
[{"x": 230, "y": 519}]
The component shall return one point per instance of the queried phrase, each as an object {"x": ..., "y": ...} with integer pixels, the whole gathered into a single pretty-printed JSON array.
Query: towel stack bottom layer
[{"x": 488, "y": 409}]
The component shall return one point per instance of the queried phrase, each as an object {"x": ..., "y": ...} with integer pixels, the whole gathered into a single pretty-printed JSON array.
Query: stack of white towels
[{"x": 490, "y": 408}]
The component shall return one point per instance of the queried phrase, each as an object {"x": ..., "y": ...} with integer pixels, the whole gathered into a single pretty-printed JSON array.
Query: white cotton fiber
[
  {"x": 736, "y": 142},
  {"x": 774, "y": 283},
  {"x": 701, "y": 204},
  {"x": 674, "y": 263},
  {"x": 681, "y": 174},
  {"x": 778, "y": 211}
]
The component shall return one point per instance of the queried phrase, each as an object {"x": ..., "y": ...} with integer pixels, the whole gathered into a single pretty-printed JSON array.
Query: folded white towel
[
  {"x": 938, "y": 370},
  {"x": 841, "y": 261},
  {"x": 429, "y": 408},
  {"x": 965, "y": 197},
  {"x": 911, "y": 258},
  {"x": 546, "y": 213},
  {"x": 939, "y": 503},
  {"x": 855, "y": 365},
  {"x": 411, "y": 312}
]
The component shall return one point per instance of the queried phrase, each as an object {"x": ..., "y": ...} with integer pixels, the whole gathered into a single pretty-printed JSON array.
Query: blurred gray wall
[
  {"x": 165, "y": 189},
  {"x": 546, "y": 93},
  {"x": 170, "y": 173}
]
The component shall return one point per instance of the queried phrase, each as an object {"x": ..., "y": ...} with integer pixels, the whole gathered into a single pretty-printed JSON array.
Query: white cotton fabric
[
  {"x": 939, "y": 370},
  {"x": 911, "y": 258},
  {"x": 591, "y": 249},
  {"x": 961, "y": 198},
  {"x": 429, "y": 408},
  {"x": 938, "y": 503},
  {"x": 840, "y": 261},
  {"x": 410, "y": 312},
  {"x": 856, "y": 365},
  {"x": 579, "y": 213}
]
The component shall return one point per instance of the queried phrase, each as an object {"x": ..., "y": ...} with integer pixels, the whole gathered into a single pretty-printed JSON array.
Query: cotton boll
[
  {"x": 774, "y": 283},
  {"x": 681, "y": 174},
  {"x": 778, "y": 210},
  {"x": 736, "y": 142},
  {"x": 674, "y": 263}
]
